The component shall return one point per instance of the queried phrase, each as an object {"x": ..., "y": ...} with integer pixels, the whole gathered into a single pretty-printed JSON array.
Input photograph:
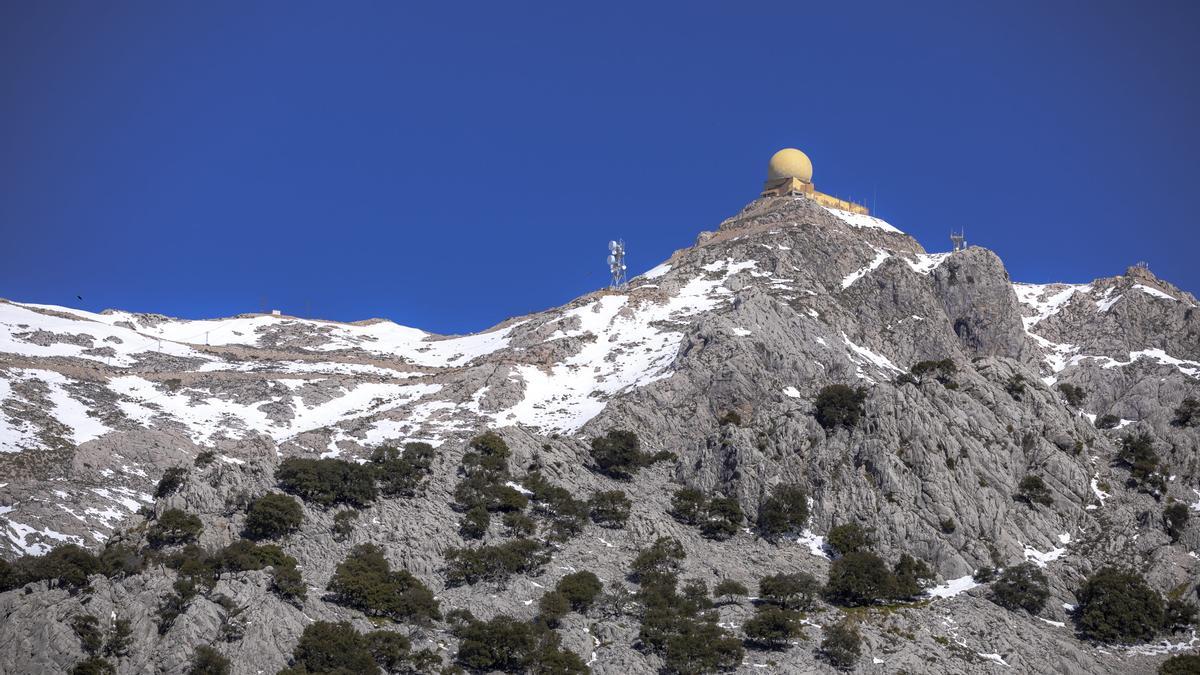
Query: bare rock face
[
  {"x": 759, "y": 316},
  {"x": 979, "y": 301}
]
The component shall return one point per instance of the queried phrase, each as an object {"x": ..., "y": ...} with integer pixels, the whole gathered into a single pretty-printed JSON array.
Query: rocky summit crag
[{"x": 715, "y": 356}]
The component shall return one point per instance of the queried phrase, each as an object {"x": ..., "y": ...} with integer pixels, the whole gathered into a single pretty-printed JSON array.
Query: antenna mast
[
  {"x": 616, "y": 264},
  {"x": 958, "y": 239}
]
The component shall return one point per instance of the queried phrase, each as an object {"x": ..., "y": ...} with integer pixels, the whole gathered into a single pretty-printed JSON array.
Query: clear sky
[{"x": 448, "y": 165}]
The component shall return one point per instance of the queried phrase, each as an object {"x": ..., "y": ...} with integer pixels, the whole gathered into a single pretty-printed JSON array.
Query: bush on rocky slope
[
  {"x": 512, "y": 646},
  {"x": 618, "y": 454},
  {"x": 1074, "y": 393},
  {"x": 494, "y": 563},
  {"x": 94, "y": 665},
  {"x": 366, "y": 582},
  {"x": 327, "y": 647},
  {"x": 848, "y": 538},
  {"x": 772, "y": 627},
  {"x": 838, "y": 405},
  {"x": 784, "y": 512},
  {"x": 1187, "y": 414},
  {"x": 273, "y": 515},
  {"x": 1180, "y": 664},
  {"x": 209, "y": 661},
  {"x": 717, "y": 517},
  {"x": 400, "y": 472},
  {"x": 862, "y": 578},
  {"x": 327, "y": 482},
  {"x": 1175, "y": 519},
  {"x": 174, "y": 527},
  {"x": 609, "y": 508},
  {"x": 1021, "y": 586},
  {"x": 1138, "y": 455},
  {"x": 1118, "y": 606},
  {"x": 67, "y": 566},
  {"x": 841, "y": 646},
  {"x": 1032, "y": 490},
  {"x": 171, "y": 481},
  {"x": 797, "y": 590}
]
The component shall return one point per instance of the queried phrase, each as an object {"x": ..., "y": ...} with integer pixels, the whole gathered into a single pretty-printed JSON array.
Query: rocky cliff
[{"x": 756, "y": 318}]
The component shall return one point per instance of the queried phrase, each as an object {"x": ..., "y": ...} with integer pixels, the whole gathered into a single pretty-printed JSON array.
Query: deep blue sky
[{"x": 447, "y": 165}]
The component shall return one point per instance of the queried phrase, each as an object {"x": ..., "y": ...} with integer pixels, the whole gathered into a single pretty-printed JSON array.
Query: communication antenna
[
  {"x": 616, "y": 264},
  {"x": 958, "y": 239}
]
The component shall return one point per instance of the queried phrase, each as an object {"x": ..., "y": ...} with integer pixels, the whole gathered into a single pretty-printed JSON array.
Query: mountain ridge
[{"x": 755, "y": 318}]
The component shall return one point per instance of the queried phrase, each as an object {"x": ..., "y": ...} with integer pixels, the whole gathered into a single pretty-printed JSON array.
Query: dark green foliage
[
  {"x": 389, "y": 650},
  {"x": 948, "y": 526},
  {"x": 1138, "y": 455},
  {"x": 618, "y": 454},
  {"x": 984, "y": 575},
  {"x": 841, "y": 646},
  {"x": 1118, "y": 606},
  {"x": 848, "y": 538},
  {"x": 722, "y": 518},
  {"x": 208, "y": 661},
  {"x": 943, "y": 371},
  {"x": 688, "y": 505},
  {"x": 912, "y": 576},
  {"x": 1073, "y": 393},
  {"x": 120, "y": 560},
  {"x": 494, "y": 563},
  {"x": 87, "y": 629},
  {"x": 67, "y": 566},
  {"x": 789, "y": 591},
  {"x": 205, "y": 458},
  {"x": 94, "y": 665},
  {"x": 120, "y": 638},
  {"x": 1179, "y": 615},
  {"x": 244, "y": 556},
  {"x": 474, "y": 523},
  {"x": 366, "y": 582},
  {"x": 1032, "y": 490},
  {"x": 400, "y": 473},
  {"x": 1021, "y": 586},
  {"x": 718, "y": 518},
  {"x": 1175, "y": 519},
  {"x": 175, "y": 603},
  {"x": 771, "y": 627},
  {"x": 784, "y": 512},
  {"x": 517, "y": 524},
  {"x": 700, "y": 647},
  {"x": 610, "y": 509},
  {"x": 171, "y": 481},
  {"x": 343, "y": 524},
  {"x": 580, "y": 589},
  {"x": 1015, "y": 386},
  {"x": 660, "y": 558},
  {"x": 552, "y": 607},
  {"x": 859, "y": 578},
  {"x": 328, "y": 481},
  {"x": 273, "y": 515},
  {"x": 511, "y": 646},
  {"x": 336, "y": 648},
  {"x": 1107, "y": 422},
  {"x": 288, "y": 584},
  {"x": 174, "y": 527},
  {"x": 730, "y": 589},
  {"x": 838, "y": 405},
  {"x": 1180, "y": 664},
  {"x": 903, "y": 379},
  {"x": 565, "y": 515},
  {"x": 1187, "y": 414},
  {"x": 731, "y": 417}
]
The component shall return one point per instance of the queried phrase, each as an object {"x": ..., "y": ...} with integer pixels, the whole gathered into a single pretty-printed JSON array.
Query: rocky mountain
[{"x": 970, "y": 385}]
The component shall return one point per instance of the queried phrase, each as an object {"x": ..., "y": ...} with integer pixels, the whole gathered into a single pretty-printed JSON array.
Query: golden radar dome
[{"x": 790, "y": 163}]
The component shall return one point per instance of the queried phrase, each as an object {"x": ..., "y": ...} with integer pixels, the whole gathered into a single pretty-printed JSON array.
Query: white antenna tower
[
  {"x": 616, "y": 264},
  {"x": 958, "y": 239}
]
